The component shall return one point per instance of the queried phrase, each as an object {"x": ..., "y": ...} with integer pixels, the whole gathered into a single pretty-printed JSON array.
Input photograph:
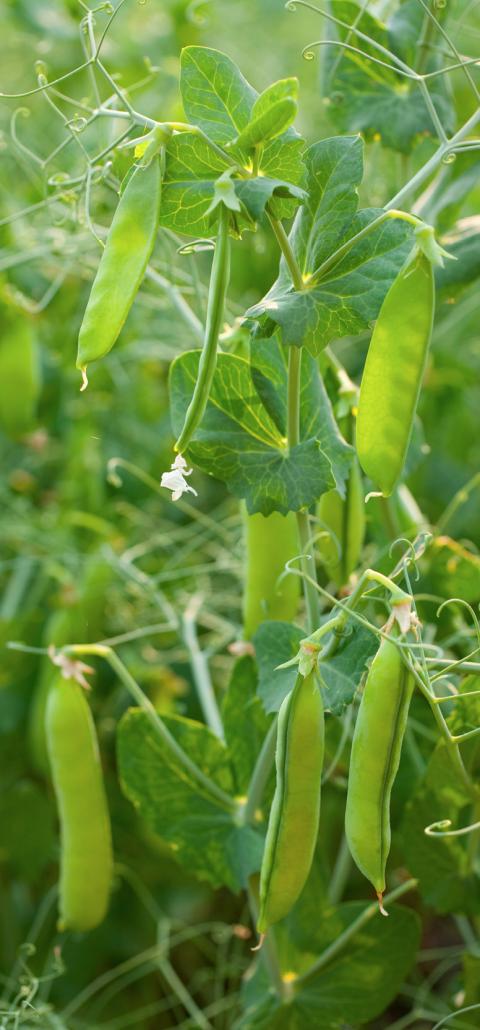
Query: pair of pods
[{"x": 86, "y": 849}]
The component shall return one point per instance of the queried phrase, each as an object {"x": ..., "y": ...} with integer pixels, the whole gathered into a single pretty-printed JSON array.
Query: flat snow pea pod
[
  {"x": 393, "y": 372},
  {"x": 122, "y": 266},
  {"x": 294, "y": 816},
  {"x": 219, "y": 278},
  {"x": 86, "y": 848},
  {"x": 376, "y": 749},
  {"x": 19, "y": 374},
  {"x": 270, "y": 542},
  {"x": 344, "y": 519}
]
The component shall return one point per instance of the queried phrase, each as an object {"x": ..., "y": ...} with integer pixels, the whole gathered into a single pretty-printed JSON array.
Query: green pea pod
[
  {"x": 376, "y": 749},
  {"x": 122, "y": 266},
  {"x": 270, "y": 542},
  {"x": 19, "y": 374},
  {"x": 219, "y": 277},
  {"x": 393, "y": 372},
  {"x": 344, "y": 518},
  {"x": 86, "y": 847},
  {"x": 294, "y": 816}
]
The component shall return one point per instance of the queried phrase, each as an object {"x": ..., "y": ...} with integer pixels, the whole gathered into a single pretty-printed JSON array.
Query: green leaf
[
  {"x": 272, "y": 113},
  {"x": 193, "y": 169},
  {"x": 367, "y": 97},
  {"x": 458, "y": 274},
  {"x": 240, "y": 443},
  {"x": 219, "y": 100},
  {"x": 244, "y": 721},
  {"x": 349, "y": 296},
  {"x": 354, "y": 988},
  {"x": 215, "y": 95},
  {"x": 277, "y": 642},
  {"x": 200, "y": 833}
]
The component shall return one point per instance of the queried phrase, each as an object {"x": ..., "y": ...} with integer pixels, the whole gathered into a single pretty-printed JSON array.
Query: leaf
[
  {"x": 272, "y": 113},
  {"x": 270, "y": 376},
  {"x": 349, "y": 296},
  {"x": 456, "y": 275},
  {"x": 367, "y": 97},
  {"x": 201, "y": 834},
  {"x": 354, "y": 988},
  {"x": 277, "y": 642},
  {"x": 215, "y": 95},
  {"x": 219, "y": 100},
  {"x": 244, "y": 722},
  {"x": 239, "y": 442}
]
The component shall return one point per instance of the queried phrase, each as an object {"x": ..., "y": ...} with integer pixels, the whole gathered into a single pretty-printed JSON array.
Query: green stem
[
  {"x": 431, "y": 166},
  {"x": 190, "y": 767},
  {"x": 201, "y": 673},
  {"x": 309, "y": 570},
  {"x": 340, "y": 873},
  {"x": 460, "y": 498},
  {"x": 284, "y": 244},
  {"x": 338, "y": 945},
  {"x": 260, "y": 775}
]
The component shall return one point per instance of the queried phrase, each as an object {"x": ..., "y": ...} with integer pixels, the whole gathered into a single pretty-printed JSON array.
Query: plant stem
[
  {"x": 460, "y": 498},
  {"x": 436, "y": 159},
  {"x": 334, "y": 258},
  {"x": 284, "y": 244},
  {"x": 190, "y": 767},
  {"x": 340, "y": 873},
  {"x": 308, "y": 568},
  {"x": 200, "y": 670},
  {"x": 369, "y": 913},
  {"x": 261, "y": 772}
]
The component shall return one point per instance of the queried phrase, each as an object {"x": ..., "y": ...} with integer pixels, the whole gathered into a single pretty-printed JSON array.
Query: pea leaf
[
  {"x": 240, "y": 443},
  {"x": 192, "y": 170},
  {"x": 202, "y": 835},
  {"x": 349, "y": 296},
  {"x": 277, "y": 642},
  {"x": 273, "y": 112},
  {"x": 244, "y": 721},
  {"x": 219, "y": 100},
  {"x": 368, "y": 97},
  {"x": 356, "y": 985}
]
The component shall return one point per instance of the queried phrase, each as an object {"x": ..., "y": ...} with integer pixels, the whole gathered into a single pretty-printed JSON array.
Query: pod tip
[
  {"x": 84, "y": 385},
  {"x": 260, "y": 943},
  {"x": 380, "y": 903}
]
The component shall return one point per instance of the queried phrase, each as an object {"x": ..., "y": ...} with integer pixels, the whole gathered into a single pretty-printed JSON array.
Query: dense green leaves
[
  {"x": 201, "y": 834},
  {"x": 364, "y": 95},
  {"x": 353, "y": 988},
  {"x": 349, "y": 296},
  {"x": 278, "y": 642},
  {"x": 239, "y": 443}
]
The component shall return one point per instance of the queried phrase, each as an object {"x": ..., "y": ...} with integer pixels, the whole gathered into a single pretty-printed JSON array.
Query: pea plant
[{"x": 354, "y": 676}]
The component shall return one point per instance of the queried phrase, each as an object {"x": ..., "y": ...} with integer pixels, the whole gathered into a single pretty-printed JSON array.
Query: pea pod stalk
[{"x": 219, "y": 279}]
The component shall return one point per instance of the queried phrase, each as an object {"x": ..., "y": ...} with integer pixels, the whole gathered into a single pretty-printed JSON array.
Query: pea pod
[
  {"x": 215, "y": 309},
  {"x": 393, "y": 372},
  {"x": 19, "y": 374},
  {"x": 86, "y": 848},
  {"x": 269, "y": 543},
  {"x": 122, "y": 266},
  {"x": 344, "y": 518},
  {"x": 294, "y": 816},
  {"x": 376, "y": 749}
]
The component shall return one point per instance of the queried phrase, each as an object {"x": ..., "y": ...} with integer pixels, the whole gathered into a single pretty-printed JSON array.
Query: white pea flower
[{"x": 175, "y": 479}]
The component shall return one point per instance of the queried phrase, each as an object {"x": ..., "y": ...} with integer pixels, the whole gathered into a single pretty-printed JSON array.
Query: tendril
[
  {"x": 404, "y": 560},
  {"x": 441, "y": 828}
]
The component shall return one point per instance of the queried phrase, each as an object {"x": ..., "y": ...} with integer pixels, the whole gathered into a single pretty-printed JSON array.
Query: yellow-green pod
[
  {"x": 294, "y": 816},
  {"x": 122, "y": 266},
  {"x": 270, "y": 541},
  {"x": 376, "y": 749},
  {"x": 344, "y": 520},
  {"x": 19, "y": 374},
  {"x": 393, "y": 372},
  {"x": 86, "y": 862}
]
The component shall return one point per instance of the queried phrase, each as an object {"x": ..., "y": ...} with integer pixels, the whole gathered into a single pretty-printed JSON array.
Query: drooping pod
[
  {"x": 374, "y": 761},
  {"x": 393, "y": 372},
  {"x": 122, "y": 266},
  {"x": 294, "y": 816},
  {"x": 344, "y": 520},
  {"x": 270, "y": 542},
  {"x": 86, "y": 848}
]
